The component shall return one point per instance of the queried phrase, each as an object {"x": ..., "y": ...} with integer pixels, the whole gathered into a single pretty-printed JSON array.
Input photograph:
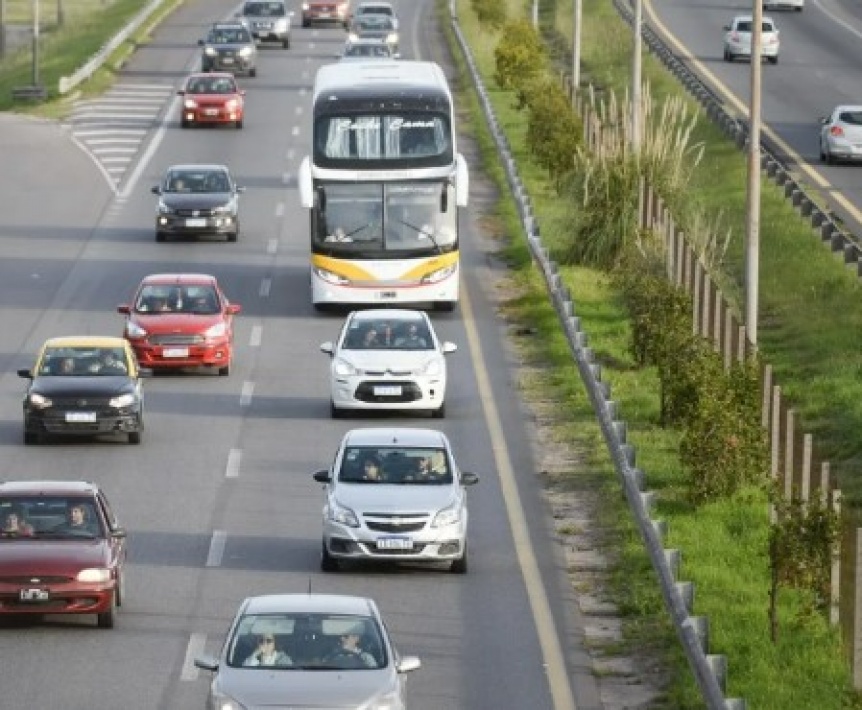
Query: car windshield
[
  {"x": 404, "y": 466},
  {"x": 158, "y": 299},
  {"x": 82, "y": 362},
  {"x": 211, "y": 85},
  {"x": 54, "y": 517},
  {"x": 374, "y": 23},
  {"x": 197, "y": 181},
  {"x": 375, "y": 10},
  {"x": 383, "y": 334},
  {"x": 305, "y": 641},
  {"x": 367, "y": 50},
  {"x": 230, "y": 36},
  {"x": 264, "y": 9}
]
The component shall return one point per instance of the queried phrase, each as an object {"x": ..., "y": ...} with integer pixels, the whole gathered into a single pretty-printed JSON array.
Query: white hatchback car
[
  {"x": 841, "y": 135},
  {"x": 737, "y": 39},
  {"x": 796, "y": 5},
  {"x": 395, "y": 495},
  {"x": 388, "y": 360}
]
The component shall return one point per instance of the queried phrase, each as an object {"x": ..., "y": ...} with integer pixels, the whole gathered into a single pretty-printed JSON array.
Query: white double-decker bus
[{"x": 384, "y": 182}]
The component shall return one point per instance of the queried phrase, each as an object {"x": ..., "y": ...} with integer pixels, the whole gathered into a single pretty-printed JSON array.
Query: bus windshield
[
  {"x": 384, "y": 220},
  {"x": 383, "y": 140}
]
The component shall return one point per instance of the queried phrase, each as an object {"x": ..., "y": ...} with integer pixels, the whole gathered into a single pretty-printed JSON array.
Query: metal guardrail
[
  {"x": 709, "y": 670},
  {"x": 67, "y": 83}
]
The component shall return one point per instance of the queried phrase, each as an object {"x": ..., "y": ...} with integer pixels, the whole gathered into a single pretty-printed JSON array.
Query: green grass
[{"x": 724, "y": 544}]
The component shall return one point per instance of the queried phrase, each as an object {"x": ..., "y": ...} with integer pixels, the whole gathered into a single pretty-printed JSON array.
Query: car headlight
[
  {"x": 133, "y": 330},
  {"x": 190, "y": 104},
  {"x": 280, "y": 25},
  {"x": 245, "y": 52},
  {"x": 232, "y": 105},
  {"x": 222, "y": 209},
  {"x": 225, "y": 702},
  {"x": 165, "y": 208},
  {"x": 447, "y": 516},
  {"x": 39, "y": 401},
  {"x": 432, "y": 368},
  {"x": 219, "y": 330},
  {"x": 123, "y": 400},
  {"x": 343, "y": 368},
  {"x": 304, "y": 6},
  {"x": 331, "y": 277},
  {"x": 438, "y": 276},
  {"x": 392, "y": 38},
  {"x": 210, "y": 51},
  {"x": 96, "y": 575},
  {"x": 345, "y": 516}
]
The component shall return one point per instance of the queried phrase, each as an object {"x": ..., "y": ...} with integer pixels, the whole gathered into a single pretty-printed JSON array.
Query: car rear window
[{"x": 854, "y": 118}]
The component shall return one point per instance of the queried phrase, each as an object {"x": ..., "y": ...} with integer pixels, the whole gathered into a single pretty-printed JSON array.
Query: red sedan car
[
  {"x": 180, "y": 321},
  {"x": 212, "y": 98},
  {"x": 62, "y": 550}
]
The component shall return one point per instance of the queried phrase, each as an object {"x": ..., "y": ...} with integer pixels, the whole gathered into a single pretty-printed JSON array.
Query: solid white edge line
[
  {"x": 552, "y": 654},
  {"x": 195, "y": 647},
  {"x": 217, "y": 545}
]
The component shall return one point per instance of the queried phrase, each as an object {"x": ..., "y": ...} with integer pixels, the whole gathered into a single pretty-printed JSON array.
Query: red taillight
[
  {"x": 836, "y": 131},
  {"x": 734, "y": 36}
]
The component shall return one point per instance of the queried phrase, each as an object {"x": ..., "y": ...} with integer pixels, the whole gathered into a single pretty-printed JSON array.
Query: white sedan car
[
  {"x": 395, "y": 495},
  {"x": 737, "y": 39},
  {"x": 388, "y": 360},
  {"x": 841, "y": 135}
]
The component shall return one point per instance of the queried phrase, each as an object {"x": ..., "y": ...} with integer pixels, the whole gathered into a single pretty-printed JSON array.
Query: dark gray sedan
[
  {"x": 196, "y": 200},
  {"x": 320, "y": 651}
]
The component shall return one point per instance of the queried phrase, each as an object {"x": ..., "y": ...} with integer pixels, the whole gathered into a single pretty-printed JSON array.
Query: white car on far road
[{"x": 737, "y": 39}]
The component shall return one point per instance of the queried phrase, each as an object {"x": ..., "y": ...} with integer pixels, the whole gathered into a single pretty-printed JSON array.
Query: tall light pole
[
  {"x": 576, "y": 49},
  {"x": 752, "y": 206},
  {"x": 35, "y": 42},
  {"x": 636, "y": 79}
]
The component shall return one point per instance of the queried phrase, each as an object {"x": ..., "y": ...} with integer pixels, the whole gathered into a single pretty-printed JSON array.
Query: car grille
[
  {"x": 394, "y": 373},
  {"x": 27, "y": 579},
  {"x": 391, "y": 523},
  {"x": 84, "y": 404},
  {"x": 410, "y": 392},
  {"x": 197, "y": 212},
  {"x": 176, "y": 339}
]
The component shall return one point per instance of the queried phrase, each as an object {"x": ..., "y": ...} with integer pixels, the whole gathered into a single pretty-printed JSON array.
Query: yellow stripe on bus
[{"x": 355, "y": 271}]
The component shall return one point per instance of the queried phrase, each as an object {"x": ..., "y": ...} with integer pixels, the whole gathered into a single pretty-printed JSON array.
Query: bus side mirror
[
  {"x": 444, "y": 198},
  {"x": 321, "y": 199}
]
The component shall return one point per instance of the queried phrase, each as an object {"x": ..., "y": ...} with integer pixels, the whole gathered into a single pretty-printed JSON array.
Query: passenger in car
[
  {"x": 266, "y": 654},
  {"x": 14, "y": 525}
]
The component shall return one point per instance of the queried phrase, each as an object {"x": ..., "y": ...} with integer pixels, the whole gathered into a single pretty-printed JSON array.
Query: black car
[
  {"x": 84, "y": 386},
  {"x": 267, "y": 20},
  {"x": 196, "y": 200},
  {"x": 229, "y": 46}
]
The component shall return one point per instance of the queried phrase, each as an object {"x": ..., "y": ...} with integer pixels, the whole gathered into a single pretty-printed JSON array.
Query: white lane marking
[
  {"x": 279, "y": 209},
  {"x": 298, "y": 110},
  {"x": 291, "y": 153},
  {"x": 234, "y": 458},
  {"x": 552, "y": 654},
  {"x": 197, "y": 643},
  {"x": 217, "y": 545},
  {"x": 256, "y": 335},
  {"x": 294, "y": 131},
  {"x": 246, "y": 394},
  {"x": 272, "y": 246},
  {"x": 265, "y": 286},
  {"x": 285, "y": 178}
]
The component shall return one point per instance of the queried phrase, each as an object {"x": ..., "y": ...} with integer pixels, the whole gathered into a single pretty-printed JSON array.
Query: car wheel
[
  {"x": 306, "y": 23},
  {"x": 459, "y": 566},
  {"x": 238, "y": 124},
  {"x": 233, "y": 236},
  {"x": 327, "y": 562},
  {"x": 120, "y": 591},
  {"x": 160, "y": 236},
  {"x": 134, "y": 437},
  {"x": 335, "y": 412},
  {"x": 31, "y": 438},
  {"x": 185, "y": 123},
  {"x": 440, "y": 412},
  {"x": 286, "y": 43},
  {"x": 105, "y": 620},
  {"x": 728, "y": 57},
  {"x": 828, "y": 158},
  {"x": 224, "y": 371},
  {"x": 252, "y": 72},
  {"x": 773, "y": 60}
]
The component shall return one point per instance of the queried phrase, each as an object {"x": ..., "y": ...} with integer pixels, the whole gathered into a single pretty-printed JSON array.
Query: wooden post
[
  {"x": 768, "y": 395},
  {"x": 835, "y": 575},
  {"x": 789, "y": 433},
  {"x": 806, "y": 468}
]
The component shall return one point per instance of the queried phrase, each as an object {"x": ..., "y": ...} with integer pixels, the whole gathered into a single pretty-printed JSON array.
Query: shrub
[{"x": 519, "y": 58}]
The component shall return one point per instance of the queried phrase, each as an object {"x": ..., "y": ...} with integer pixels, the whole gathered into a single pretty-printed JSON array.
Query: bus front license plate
[{"x": 387, "y": 295}]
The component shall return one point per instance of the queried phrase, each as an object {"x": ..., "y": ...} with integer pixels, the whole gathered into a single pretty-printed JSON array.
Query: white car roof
[
  {"x": 320, "y": 603},
  {"x": 402, "y": 436}
]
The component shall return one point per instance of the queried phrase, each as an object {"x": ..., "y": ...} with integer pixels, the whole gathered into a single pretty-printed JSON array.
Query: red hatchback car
[
  {"x": 180, "y": 321},
  {"x": 62, "y": 550},
  {"x": 212, "y": 98}
]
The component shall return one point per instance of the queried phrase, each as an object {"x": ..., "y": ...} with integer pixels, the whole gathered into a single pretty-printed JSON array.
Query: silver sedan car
[
  {"x": 841, "y": 135},
  {"x": 322, "y": 651},
  {"x": 737, "y": 39},
  {"x": 395, "y": 495}
]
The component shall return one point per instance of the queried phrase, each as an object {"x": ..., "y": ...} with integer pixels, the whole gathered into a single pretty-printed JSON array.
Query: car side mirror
[
  {"x": 327, "y": 348},
  {"x": 727, "y": 28},
  {"x": 156, "y": 190},
  {"x": 25, "y": 373},
  {"x": 239, "y": 188},
  {"x": 207, "y": 663},
  {"x": 242, "y": 92},
  {"x": 397, "y": 55},
  {"x": 322, "y": 476},
  {"x": 181, "y": 92},
  {"x": 449, "y": 347},
  {"x": 469, "y": 479},
  {"x": 118, "y": 533},
  {"x": 201, "y": 43},
  {"x": 124, "y": 308}
]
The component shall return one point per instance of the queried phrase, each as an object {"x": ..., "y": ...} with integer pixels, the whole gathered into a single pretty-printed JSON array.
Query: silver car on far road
[
  {"x": 322, "y": 651},
  {"x": 841, "y": 135},
  {"x": 737, "y": 39}
]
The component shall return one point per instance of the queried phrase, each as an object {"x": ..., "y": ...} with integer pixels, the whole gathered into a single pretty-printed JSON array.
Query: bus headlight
[
  {"x": 392, "y": 38},
  {"x": 330, "y": 277},
  {"x": 439, "y": 275}
]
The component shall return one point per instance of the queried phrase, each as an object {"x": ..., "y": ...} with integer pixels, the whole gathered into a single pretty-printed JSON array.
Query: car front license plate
[
  {"x": 211, "y": 112},
  {"x": 81, "y": 417},
  {"x": 34, "y": 595},
  {"x": 227, "y": 60},
  {"x": 394, "y": 543},
  {"x": 196, "y": 222},
  {"x": 325, "y": 15},
  {"x": 387, "y": 391},
  {"x": 175, "y": 352}
]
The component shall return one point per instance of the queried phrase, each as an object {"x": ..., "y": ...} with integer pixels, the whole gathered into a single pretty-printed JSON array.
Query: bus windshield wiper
[{"x": 420, "y": 231}]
